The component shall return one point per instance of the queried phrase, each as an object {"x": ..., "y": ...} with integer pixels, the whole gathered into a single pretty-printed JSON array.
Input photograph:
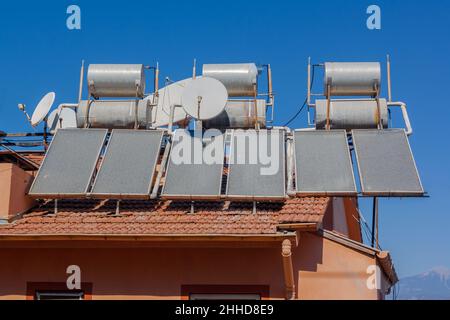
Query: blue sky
[{"x": 40, "y": 54}]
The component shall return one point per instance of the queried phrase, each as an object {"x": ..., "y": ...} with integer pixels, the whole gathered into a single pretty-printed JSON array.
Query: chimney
[{"x": 14, "y": 185}]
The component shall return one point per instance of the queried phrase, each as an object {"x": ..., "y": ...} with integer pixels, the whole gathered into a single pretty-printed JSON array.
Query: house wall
[
  {"x": 323, "y": 269},
  {"x": 14, "y": 184}
]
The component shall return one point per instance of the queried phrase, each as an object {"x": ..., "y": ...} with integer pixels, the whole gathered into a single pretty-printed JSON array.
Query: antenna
[{"x": 41, "y": 111}]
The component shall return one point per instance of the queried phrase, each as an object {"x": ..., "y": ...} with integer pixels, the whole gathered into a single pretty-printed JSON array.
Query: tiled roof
[{"x": 157, "y": 217}]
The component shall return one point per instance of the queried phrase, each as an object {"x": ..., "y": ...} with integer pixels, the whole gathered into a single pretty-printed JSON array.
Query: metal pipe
[
  {"x": 269, "y": 85},
  {"x": 156, "y": 85},
  {"x": 272, "y": 114},
  {"x": 309, "y": 82},
  {"x": 307, "y": 129},
  {"x": 289, "y": 280},
  {"x": 80, "y": 90},
  {"x": 375, "y": 223},
  {"x": 194, "y": 69},
  {"x": 388, "y": 63},
  {"x": 402, "y": 105},
  {"x": 162, "y": 169}
]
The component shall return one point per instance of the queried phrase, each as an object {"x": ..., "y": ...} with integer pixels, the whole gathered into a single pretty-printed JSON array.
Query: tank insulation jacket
[
  {"x": 352, "y": 78},
  {"x": 116, "y": 80},
  {"x": 240, "y": 79}
]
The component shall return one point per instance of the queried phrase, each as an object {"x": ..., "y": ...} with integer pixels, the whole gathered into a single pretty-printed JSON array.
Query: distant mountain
[{"x": 431, "y": 285}]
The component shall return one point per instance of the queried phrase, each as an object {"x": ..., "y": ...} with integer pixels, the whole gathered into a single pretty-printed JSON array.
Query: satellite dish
[
  {"x": 52, "y": 121},
  {"x": 204, "y": 98},
  {"x": 61, "y": 119},
  {"x": 42, "y": 109}
]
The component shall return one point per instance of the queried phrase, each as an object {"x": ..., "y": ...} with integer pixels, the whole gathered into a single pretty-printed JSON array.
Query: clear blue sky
[{"x": 39, "y": 54}]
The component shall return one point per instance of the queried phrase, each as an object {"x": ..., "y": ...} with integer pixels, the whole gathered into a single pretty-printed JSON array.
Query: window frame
[
  {"x": 262, "y": 290},
  {"x": 35, "y": 288}
]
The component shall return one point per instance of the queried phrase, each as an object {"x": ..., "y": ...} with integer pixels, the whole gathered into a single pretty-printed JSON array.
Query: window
[
  {"x": 57, "y": 291},
  {"x": 224, "y": 296},
  {"x": 59, "y": 295},
  {"x": 224, "y": 292}
]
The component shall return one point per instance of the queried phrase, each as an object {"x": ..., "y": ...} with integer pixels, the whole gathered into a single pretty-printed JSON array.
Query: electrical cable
[{"x": 304, "y": 103}]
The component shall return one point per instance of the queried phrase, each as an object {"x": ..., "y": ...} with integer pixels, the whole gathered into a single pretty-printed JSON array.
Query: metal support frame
[
  {"x": 162, "y": 169},
  {"x": 255, "y": 103},
  {"x": 374, "y": 241},
  {"x": 377, "y": 99},
  {"x": 271, "y": 97},
  {"x": 118, "y": 207},
  {"x": 328, "y": 123}
]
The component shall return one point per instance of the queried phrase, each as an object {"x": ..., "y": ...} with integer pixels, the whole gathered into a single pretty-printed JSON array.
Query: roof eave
[{"x": 275, "y": 237}]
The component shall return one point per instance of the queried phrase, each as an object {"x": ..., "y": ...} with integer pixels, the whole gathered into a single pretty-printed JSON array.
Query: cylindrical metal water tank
[
  {"x": 239, "y": 114},
  {"x": 352, "y": 78},
  {"x": 239, "y": 78},
  {"x": 112, "y": 114},
  {"x": 116, "y": 80},
  {"x": 351, "y": 114}
]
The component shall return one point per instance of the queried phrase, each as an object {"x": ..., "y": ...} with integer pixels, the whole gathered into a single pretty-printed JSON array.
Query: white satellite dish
[
  {"x": 61, "y": 119},
  {"x": 42, "y": 109},
  {"x": 204, "y": 98}
]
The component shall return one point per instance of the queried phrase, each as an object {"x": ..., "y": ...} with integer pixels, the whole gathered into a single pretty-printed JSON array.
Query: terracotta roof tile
[{"x": 158, "y": 217}]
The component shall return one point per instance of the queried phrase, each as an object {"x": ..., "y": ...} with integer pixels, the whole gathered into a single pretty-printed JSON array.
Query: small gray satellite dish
[
  {"x": 52, "y": 121},
  {"x": 204, "y": 98},
  {"x": 61, "y": 119},
  {"x": 42, "y": 109}
]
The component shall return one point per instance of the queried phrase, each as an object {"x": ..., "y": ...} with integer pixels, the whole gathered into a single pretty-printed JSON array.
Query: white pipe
[
  {"x": 67, "y": 105},
  {"x": 402, "y": 105}
]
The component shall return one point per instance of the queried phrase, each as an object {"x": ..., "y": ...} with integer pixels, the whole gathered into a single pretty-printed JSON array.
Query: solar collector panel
[
  {"x": 128, "y": 165},
  {"x": 249, "y": 178},
  {"x": 189, "y": 176},
  {"x": 323, "y": 163},
  {"x": 385, "y": 163},
  {"x": 69, "y": 163}
]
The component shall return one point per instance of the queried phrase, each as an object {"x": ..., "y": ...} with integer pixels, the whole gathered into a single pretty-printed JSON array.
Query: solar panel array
[
  {"x": 69, "y": 164},
  {"x": 129, "y": 164},
  {"x": 191, "y": 174},
  {"x": 323, "y": 163},
  {"x": 257, "y": 165}
]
